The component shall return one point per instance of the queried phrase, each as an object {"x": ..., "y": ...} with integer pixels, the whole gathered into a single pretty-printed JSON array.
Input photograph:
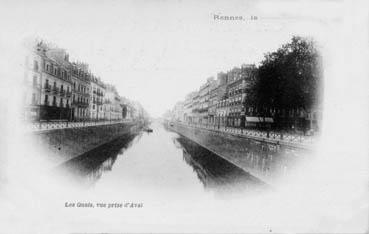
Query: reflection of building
[
  {"x": 214, "y": 171},
  {"x": 48, "y": 95}
]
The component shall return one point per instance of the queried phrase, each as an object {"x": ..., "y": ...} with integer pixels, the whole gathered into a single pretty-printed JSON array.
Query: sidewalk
[{"x": 275, "y": 137}]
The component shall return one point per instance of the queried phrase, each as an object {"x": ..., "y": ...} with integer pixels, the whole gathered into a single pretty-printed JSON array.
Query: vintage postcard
[{"x": 184, "y": 116}]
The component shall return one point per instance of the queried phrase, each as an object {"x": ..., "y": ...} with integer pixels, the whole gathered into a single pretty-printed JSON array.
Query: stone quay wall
[
  {"x": 265, "y": 160},
  {"x": 67, "y": 143}
]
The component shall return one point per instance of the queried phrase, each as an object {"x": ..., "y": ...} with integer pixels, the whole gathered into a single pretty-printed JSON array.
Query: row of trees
[{"x": 288, "y": 79}]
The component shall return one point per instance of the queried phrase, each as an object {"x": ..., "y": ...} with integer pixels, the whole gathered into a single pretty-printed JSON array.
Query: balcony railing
[
  {"x": 62, "y": 93},
  {"x": 82, "y": 104},
  {"x": 97, "y": 102},
  {"x": 69, "y": 94},
  {"x": 50, "y": 125},
  {"x": 275, "y": 136},
  {"x": 47, "y": 87},
  {"x": 55, "y": 90}
]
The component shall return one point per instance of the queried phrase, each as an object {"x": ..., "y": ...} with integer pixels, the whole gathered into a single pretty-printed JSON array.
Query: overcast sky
[{"x": 157, "y": 52}]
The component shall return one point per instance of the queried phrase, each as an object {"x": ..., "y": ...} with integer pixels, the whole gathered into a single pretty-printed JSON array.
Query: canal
[{"x": 161, "y": 160}]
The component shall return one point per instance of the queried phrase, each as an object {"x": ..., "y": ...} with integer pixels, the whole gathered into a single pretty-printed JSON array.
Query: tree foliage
[{"x": 289, "y": 78}]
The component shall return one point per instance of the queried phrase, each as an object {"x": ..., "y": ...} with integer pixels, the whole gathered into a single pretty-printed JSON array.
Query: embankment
[
  {"x": 264, "y": 160},
  {"x": 65, "y": 144}
]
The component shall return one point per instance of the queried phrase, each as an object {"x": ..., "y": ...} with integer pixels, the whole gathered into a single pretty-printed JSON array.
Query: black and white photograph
[{"x": 158, "y": 116}]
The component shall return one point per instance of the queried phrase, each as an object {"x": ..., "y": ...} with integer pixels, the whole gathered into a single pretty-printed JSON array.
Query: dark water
[{"x": 161, "y": 159}]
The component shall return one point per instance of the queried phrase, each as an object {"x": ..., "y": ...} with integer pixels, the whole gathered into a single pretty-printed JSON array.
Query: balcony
[
  {"x": 55, "y": 90},
  {"x": 35, "y": 85},
  {"x": 62, "y": 93},
  {"x": 68, "y": 94},
  {"x": 80, "y": 104},
  {"x": 47, "y": 87}
]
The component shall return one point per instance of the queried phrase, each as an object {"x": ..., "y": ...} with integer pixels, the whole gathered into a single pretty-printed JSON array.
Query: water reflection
[
  {"x": 214, "y": 172},
  {"x": 88, "y": 168},
  {"x": 269, "y": 162},
  {"x": 157, "y": 161}
]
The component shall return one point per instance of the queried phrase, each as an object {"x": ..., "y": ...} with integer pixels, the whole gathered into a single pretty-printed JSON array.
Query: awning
[
  {"x": 254, "y": 119},
  {"x": 268, "y": 120}
]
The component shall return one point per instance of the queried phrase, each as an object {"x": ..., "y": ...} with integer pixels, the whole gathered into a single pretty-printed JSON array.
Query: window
[
  {"x": 54, "y": 101},
  {"x": 34, "y": 82},
  {"x": 93, "y": 107},
  {"x": 61, "y": 88},
  {"x": 33, "y": 98},
  {"x": 61, "y": 103},
  {"x": 46, "y": 99},
  {"x": 47, "y": 67},
  {"x": 35, "y": 65}
]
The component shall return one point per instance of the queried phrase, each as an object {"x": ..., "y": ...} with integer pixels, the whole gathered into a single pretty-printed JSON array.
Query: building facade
[
  {"x": 49, "y": 92},
  {"x": 97, "y": 93},
  {"x": 113, "y": 108},
  {"x": 56, "y": 89},
  {"x": 81, "y": 96}
]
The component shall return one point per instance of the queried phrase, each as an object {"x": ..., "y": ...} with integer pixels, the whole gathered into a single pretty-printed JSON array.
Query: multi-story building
[
  {"x": 33, "y": 90},
  {"x": 178, "y": 112},
  {"x": 236, "y": 95},
  {"x": 57, "y": 89},
  {"x": 204, "y": 97},
  {"x": 126, "y": 108},
  {"x": 49, "y": 97},
  {"x": 112, "y": 104},
  {"x": 213, "y": 101},
  {"x": 195, "y": 108},
  {"x": 187, "y": 107},
  {"x": 81, "y": 87},
  {"x": 233, "y": 106},
  {"x": 97, "y": 93},
  {"x": 221, "y": 110}
]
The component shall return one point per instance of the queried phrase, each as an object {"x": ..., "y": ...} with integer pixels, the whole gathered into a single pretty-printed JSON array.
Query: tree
[{"x": 289, "y": 78}]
